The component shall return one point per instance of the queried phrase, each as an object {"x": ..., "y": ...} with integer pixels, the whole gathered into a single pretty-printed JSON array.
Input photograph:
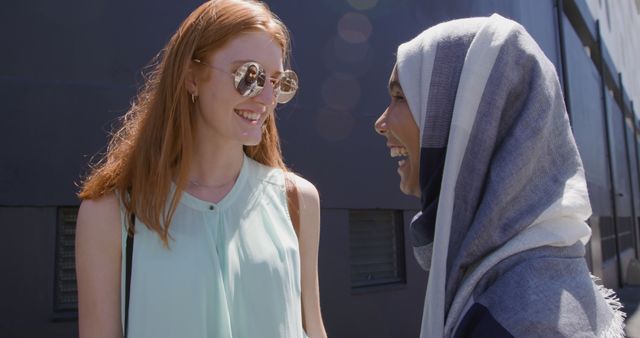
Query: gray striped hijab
[{"x": 501, "y": 176}]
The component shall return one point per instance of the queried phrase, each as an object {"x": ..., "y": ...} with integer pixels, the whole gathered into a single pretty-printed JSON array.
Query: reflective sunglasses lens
[
  {"x": 287, "y": 86},
  {"x": 249, "y": 79}
]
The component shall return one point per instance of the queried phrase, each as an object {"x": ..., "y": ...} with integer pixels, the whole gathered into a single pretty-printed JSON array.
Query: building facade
[{"x": 68, "y": 71}]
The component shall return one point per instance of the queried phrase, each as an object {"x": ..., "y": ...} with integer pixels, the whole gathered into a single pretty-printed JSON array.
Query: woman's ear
[{"x": 190, "y": 80}]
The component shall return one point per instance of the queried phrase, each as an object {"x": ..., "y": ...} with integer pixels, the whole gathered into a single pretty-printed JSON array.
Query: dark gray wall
[
  {"x": 27, "y": 249},
  {"x": 66, "y": 72},
  {"x": 385, "y": 311}
]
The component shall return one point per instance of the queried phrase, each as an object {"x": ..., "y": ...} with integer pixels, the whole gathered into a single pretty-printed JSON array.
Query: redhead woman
[{"x": 187, "y": 226}]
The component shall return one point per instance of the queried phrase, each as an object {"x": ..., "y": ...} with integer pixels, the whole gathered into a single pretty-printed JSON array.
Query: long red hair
[{"x": 154, "y": 144}]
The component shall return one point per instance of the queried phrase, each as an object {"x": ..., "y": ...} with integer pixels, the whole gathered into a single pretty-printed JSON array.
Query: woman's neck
[{"x": 213, "y": 170}]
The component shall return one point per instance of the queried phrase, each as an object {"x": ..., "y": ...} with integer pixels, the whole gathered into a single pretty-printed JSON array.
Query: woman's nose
[
  {"x": 381, "y": 124},
  {"x": 268, "y": 94}
]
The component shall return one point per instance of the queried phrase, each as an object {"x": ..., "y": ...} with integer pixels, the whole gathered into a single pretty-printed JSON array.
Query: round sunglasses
[{"x": 249, "y": 79}]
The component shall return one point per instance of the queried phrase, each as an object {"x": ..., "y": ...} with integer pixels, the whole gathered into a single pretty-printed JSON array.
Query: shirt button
[{"x": 211, "y": 207}]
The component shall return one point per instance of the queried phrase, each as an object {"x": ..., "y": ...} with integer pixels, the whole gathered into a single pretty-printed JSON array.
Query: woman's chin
[
  {"x": 252, "y": 138},
  {"x": 251, "y": 143},
  {"x": 410, "y": 190},
  {"x": 403, "y": 188}
]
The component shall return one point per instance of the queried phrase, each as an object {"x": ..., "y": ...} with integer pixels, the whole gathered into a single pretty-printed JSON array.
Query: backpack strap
[
  {"x": 293, "y": 203},
  {"x": 128, "y": 264}
]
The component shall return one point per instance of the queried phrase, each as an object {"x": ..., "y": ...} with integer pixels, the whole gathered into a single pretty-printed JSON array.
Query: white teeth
[
  {"x": 398, "y": 151},
  {"x": 400, "y": 163},
  {"x": 248, "y": 115}
]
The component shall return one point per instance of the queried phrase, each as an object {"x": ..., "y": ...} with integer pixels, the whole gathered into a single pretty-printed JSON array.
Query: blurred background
[{"x": 69, "y": 69}]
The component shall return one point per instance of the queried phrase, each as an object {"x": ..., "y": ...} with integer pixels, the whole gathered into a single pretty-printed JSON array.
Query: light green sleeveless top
[{"x": 232, "y": 269}]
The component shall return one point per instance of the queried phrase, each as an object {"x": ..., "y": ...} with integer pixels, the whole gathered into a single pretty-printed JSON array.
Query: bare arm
[
  {"x": 98, "y": 257},
  {"x": 309, "y": 242}
]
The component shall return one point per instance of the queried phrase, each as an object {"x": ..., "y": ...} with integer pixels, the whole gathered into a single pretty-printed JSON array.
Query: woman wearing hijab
[{"x": 478, "y": 121}]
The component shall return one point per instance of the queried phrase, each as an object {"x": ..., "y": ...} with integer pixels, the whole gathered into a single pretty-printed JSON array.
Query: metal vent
[
  {"x": 376, "y": 247},
  {"x": 66, "y": 290}
]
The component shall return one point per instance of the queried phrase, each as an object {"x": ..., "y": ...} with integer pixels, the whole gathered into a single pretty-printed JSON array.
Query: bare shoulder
[
  {"x": 307, "y": 192},
  {"x": 99, "y": 218},
  {"x": 105, "y": 204}
]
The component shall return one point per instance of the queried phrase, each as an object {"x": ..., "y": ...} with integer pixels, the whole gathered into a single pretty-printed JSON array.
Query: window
[
  {"x": 65, "y": 289},
  {"x": 376, "y": 245}
]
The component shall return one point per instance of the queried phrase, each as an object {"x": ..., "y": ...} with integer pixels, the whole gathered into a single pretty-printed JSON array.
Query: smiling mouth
[
  {"x": 248, "y": 116},
  {"x": 399, "y": 153}
]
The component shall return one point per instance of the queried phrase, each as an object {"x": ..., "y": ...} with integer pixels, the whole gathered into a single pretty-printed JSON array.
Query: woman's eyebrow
[
  {"x": 238, "y": 63},
  {"x": 394, "y": 85}
]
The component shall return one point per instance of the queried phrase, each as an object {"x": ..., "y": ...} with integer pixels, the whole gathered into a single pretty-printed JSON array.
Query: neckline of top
[{"x": 199, "y": 204}]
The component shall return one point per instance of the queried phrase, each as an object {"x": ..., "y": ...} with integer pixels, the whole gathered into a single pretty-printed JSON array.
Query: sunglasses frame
[{"x": 251, "y": 89}]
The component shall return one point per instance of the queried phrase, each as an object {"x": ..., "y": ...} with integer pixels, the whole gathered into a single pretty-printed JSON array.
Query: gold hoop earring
[{"x": 193, "y": 98}]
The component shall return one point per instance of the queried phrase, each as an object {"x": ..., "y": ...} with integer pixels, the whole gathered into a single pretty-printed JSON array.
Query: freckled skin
[{"x": 218, "y": 97}]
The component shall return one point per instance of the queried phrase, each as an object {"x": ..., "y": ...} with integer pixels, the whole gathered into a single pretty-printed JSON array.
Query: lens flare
[{"x": 354, "y": 28}]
